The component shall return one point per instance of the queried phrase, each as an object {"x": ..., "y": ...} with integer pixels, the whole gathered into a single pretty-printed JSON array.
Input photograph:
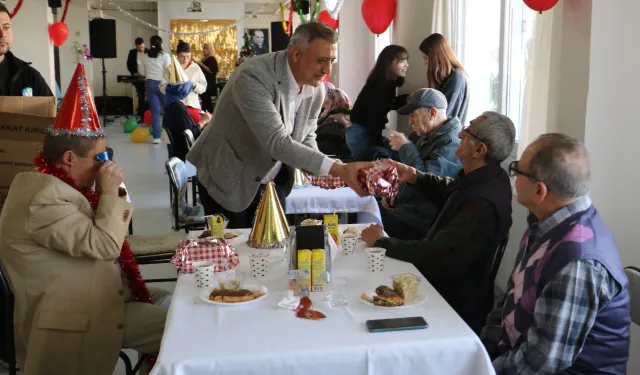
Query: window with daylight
[
  {"x": 494, "y": 51},
  {"x": 382, "y": 41}
]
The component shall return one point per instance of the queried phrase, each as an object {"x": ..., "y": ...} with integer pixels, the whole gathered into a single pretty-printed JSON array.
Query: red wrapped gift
[
  {"x": 325, "y": 182},
  {"x": 216, "y": 250},
  {"x": 381, "y": 180}
]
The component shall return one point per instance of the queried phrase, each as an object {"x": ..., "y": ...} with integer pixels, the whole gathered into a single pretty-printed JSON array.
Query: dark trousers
[
  {"x": 244, "y": 219},
  {"x": 207, "y": 103},
  {"x": 141, "y": 93},
  {"x": 408, "y": 222}
]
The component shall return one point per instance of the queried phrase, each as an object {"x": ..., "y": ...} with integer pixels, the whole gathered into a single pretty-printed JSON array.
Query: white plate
[
  {"x": 419, "y": 299},
  {"x": 204, "y": 295}
]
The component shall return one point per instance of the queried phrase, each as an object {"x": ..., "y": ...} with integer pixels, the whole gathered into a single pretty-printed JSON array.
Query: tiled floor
[{"x": 148, "y": 185}]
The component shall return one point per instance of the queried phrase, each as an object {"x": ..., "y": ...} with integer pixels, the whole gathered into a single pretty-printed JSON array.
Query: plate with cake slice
[
  {"x": 232, "y": 297},
  {"x": 388, "y": 298}
]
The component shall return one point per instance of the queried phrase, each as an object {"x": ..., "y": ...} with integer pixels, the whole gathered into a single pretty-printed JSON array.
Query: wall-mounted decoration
[
  {"x": 259, "y": 40},
  {"x": 224, "y": 42}
]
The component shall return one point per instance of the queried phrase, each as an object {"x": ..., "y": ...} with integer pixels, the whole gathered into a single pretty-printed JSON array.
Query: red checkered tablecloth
[
  {"x": 210, "y": 249},
  {"x": 325, "y": 182}
]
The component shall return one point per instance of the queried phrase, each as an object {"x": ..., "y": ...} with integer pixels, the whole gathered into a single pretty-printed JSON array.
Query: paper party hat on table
[
  {"x": 270, "y": 228},
  {"x": 78, "y": 115}
]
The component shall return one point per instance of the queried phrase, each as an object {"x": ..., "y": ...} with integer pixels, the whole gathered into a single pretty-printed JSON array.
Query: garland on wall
[
  {"x": 16, "y": 9},
  {"x": 298, "y": 6}
]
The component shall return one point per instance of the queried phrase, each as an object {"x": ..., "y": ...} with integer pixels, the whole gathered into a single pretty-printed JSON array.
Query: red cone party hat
[{"x": 78, "y": 115}]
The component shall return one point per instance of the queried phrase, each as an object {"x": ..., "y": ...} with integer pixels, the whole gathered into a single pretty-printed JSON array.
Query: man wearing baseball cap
[{"x": 409, "y": 214}]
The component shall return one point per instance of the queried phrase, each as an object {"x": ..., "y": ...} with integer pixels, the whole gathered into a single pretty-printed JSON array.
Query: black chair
[
  {"x": 8, "y": 344},
  {"x": 190, "y": 139},
  {"x": 176, "y": 169},
  {"x": 497, "y": 259}
]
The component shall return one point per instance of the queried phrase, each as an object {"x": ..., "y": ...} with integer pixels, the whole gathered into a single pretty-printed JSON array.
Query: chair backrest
[
  {"x": 497, "y": 259},
  {"x": 177, "y": 171},
  {"x": 170, "y": 146},
  {"x": 633, "y": 274},
  {"x": 188, "y": 136}
]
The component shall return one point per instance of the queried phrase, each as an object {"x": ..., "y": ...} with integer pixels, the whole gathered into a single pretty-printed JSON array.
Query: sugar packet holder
[{"x": 216, "y": 250}]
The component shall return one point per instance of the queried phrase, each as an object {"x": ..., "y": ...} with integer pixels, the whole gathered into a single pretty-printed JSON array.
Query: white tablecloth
[
  {"x": 314, "y": 200},
  {"x": 261, "y": 338}
]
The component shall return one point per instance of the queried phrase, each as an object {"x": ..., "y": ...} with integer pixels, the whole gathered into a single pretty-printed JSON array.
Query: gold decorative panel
[{"x": 225, "y": 43}]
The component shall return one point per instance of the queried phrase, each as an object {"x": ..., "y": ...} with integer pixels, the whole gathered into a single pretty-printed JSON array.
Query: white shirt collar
[{"x": 307, "y": 91}]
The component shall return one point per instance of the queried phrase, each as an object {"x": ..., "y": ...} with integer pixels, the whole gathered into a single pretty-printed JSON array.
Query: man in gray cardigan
[{"x": 265, "y": 119}]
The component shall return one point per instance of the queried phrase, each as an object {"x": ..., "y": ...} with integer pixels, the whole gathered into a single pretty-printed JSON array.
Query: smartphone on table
[{"x": 396, "y": 324}]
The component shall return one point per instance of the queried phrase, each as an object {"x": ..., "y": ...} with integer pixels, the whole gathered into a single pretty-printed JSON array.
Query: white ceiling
[{"x": 251, "y": 6}]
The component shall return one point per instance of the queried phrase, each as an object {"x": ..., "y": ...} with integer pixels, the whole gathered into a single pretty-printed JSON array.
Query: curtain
[
  {"x": 535, "y": 102},
  {"x": 446, "y": 20}
]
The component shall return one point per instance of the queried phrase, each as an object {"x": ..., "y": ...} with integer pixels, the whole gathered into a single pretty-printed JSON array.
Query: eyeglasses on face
[
  {"x": 466, "y": 130},
  {"x": 513, "y": 170}
]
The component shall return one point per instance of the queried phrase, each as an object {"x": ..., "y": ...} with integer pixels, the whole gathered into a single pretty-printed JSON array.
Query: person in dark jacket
[
  {"x": 446, "y": 74},
  {"x": 377, "y": 98},
  {"x": 409, "y": 214},
  {"x": 136, "y": 68},
  {"x": 474, "y": 217},
  {"x": 209, "y": 66},
  {"x": 17, "y": 78}
]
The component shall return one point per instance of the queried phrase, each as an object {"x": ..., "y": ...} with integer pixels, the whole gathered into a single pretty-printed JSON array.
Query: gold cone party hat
[
  {"x": 270, "y": 228},
  {"x": 176, "y": 73},
  {"x": 299, "y": 180}
]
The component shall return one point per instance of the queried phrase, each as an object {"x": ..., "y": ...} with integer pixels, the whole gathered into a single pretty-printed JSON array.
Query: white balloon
[{"x": 333, "y": 7}]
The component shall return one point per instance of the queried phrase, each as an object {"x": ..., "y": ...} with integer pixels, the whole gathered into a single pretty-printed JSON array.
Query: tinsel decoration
[
  {"x": 316, "y": 9},
  {"x": 292, "y": 10},
  {"x": 82, "y": 51},
  {"x": 247, "y": 50},
  {"x": 130, "y": 268},
  {"x": 333, "y": 7},
  {"x": 284, "y": 21},
  {"x": 15, "y": 10},
  {"x": 65, "y": 10},
  {"x": 314, "y": 15}
]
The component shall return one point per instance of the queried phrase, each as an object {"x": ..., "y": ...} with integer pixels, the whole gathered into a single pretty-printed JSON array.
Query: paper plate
[
  {"x": 204, "y": 295},
  {"x": 419, "y": 299}
]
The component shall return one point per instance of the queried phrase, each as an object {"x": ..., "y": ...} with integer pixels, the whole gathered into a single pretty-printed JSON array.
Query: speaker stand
[{"x": 105, "y": 98}]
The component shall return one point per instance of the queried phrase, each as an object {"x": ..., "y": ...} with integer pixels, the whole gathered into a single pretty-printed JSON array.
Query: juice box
[
  {"x": 216, "y": 225},
  {"x": 304, "y": 264},
  {"x": 317, "y": 268},
  {"x": 331, "y": 221}
]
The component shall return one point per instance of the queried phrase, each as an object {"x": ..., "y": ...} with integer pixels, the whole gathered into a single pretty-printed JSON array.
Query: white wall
[
  {"x": 210, "y": 11},
  {"x": 78, "y": 22},
  {"x": 31, "y": 37},
  {"x": 412, "y": 25},
  {"x": 126, "y": 32},
  {"x": 355, "y": 50}
]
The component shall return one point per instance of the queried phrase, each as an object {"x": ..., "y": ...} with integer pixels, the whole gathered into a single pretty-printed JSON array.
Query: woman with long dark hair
[
  {"x": 377, "y": 98},
  {"x": 156, "y": 63},
  {"x": 446, "y": 74},
  {"x": 209, "y": 66}
]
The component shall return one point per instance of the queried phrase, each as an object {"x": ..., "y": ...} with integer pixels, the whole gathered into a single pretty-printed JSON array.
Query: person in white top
[
  {"x": 156, "y": 63},
  {"x": 196, "y": 76}
]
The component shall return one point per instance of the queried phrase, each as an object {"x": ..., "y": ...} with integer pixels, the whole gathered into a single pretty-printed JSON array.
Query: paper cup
[
  {"x": 204, "y": 274},
  {"x": 375, "y": 258},
  {"x": 348, "y": 244},
  {"x": 259, "y": 264}
]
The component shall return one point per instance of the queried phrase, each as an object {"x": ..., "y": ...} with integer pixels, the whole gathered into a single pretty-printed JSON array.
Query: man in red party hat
[{"x": 79, "y": 296}]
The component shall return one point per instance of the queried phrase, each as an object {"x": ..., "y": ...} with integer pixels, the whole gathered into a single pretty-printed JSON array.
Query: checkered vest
[{"x": 583, "y": 236}]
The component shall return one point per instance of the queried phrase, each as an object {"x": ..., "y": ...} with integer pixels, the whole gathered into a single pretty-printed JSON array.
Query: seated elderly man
[
  {"x": 409, "y": 214},
  {"x": 474, "y": 217},
  {"x": 566, "y": 310},
  {"x": 61, "y": 247}
]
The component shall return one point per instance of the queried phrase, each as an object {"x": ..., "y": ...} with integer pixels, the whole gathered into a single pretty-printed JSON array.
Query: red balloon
[
  {"x": 325, "y": 17},
  {"x": 147, "y": 117},
  {"x": 378, "y": 14},
  {"x": 540, "y": 5},
  {"x": 58, "y": 32}
]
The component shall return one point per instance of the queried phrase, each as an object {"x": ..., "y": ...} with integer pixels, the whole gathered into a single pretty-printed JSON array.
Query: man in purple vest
[{"x": 566, "y": 310}]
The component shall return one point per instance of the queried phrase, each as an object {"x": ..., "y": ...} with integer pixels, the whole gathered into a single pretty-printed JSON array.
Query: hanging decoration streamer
[
  {"x": 298, "y": 7},
  {"x": 149, "y": 25},
  {"x": 284, "y": 21},
  {"x": 316, "y": 9},
  {"x": 66, "y": 9},
  {"x": 292, "y": 9},
  {"x": 333, "y": 7},
  {"x": 16, "y": 9}
]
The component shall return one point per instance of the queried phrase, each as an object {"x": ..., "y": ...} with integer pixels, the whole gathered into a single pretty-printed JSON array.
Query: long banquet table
[{"x": 262, "y": 338}]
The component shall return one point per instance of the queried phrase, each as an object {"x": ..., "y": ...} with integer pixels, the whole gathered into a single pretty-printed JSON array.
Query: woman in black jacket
[
  {"x": 209, "y": 66},
  {"x": 377, "y": 98}
]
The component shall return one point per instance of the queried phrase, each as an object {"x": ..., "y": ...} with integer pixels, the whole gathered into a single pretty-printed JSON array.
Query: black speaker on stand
[
  {"x": 279, "y": 38},
  {"x": 102, "y": 39}
]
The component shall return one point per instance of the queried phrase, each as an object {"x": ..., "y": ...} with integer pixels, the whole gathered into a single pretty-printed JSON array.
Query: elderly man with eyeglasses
[
  {"x": 473, "y": 219},
  {"x": 566, "y": 310}
]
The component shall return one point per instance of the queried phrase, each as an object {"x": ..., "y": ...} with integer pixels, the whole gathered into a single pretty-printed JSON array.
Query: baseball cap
[{"x": 424, "y": 98}]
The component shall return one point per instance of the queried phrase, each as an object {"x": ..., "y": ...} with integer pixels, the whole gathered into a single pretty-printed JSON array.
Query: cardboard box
[{"x": 24, "y": 121}]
